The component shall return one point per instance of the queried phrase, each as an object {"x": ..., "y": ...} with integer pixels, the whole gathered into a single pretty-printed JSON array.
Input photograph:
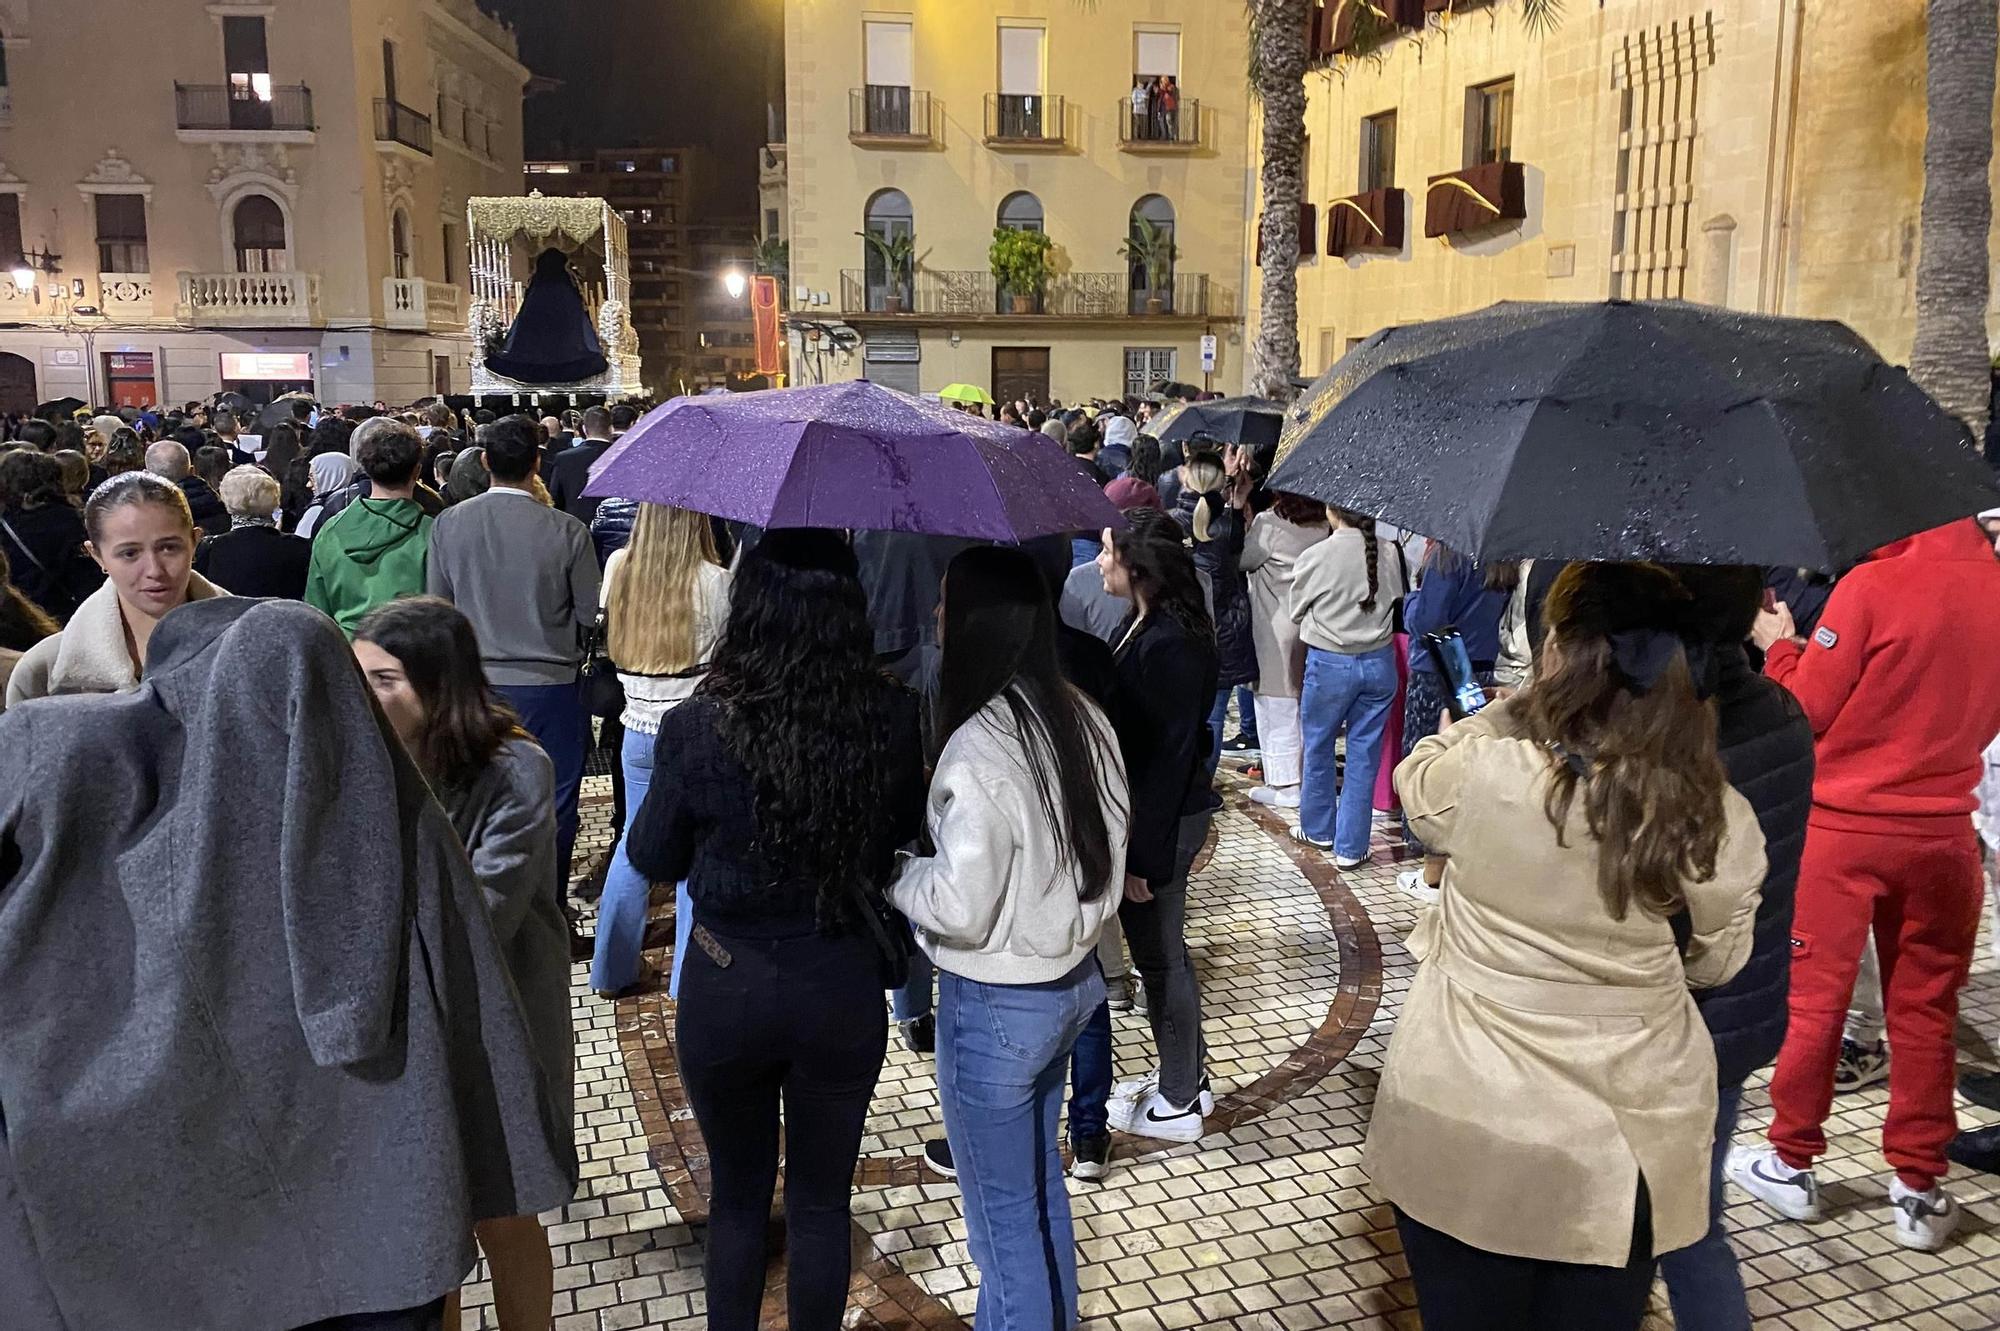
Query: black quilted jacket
[{"x": 1767, "y": 746}]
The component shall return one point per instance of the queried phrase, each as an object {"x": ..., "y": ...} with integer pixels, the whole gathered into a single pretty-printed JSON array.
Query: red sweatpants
[{"x": 1922, "y": 896}]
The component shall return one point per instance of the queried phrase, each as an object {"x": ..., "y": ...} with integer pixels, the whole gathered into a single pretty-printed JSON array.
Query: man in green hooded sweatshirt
[{"x": 375, "y": 549}]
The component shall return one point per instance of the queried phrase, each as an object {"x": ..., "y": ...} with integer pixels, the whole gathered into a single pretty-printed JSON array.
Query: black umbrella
[
  {"x": 61, "y": 409},
  {"x": 1253, "y": 422},
  {"x": 231, "y": 401},
  {"x": 1173, "y": 390},
  {"x": 1633, "y": 431},
  {"x": 280, "y": 409}
]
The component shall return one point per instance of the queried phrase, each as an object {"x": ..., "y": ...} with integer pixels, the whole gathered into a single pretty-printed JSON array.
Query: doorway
[
  {"x": 1021, "y": 372},
  {"x": 17, "y": 385}
]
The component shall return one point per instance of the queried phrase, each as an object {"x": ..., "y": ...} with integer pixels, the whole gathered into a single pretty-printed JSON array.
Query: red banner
[{"x": 764, "y": 317}]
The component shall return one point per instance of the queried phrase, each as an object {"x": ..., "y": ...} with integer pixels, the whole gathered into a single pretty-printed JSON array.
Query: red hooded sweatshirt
[{"x": 1902, "y": 684}]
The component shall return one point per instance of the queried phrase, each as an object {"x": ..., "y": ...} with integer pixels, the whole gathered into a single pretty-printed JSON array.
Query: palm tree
[
  {"x": 1950, "y": 358},
  {"x": 1279, "y": 55}
]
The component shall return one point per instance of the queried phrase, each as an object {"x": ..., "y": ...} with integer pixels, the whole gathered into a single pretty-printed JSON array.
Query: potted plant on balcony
[
  {"x": 899, "y": 259},
  {"x": 1152, "y": 248},
  {"x": 1020, "y": 263}
]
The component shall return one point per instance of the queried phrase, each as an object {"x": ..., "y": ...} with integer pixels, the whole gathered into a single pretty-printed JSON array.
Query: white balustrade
[{"x": 251, "y": 298}]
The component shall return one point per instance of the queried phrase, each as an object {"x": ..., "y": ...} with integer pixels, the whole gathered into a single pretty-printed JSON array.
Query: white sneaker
[
  {"x": 1924, "y": 1220},
  {"x": 1153, "y": 1115},
  {"x": 1792, "y": 1193},
  {"x": 1413, "y": 884},
  {"x": 1344, "y": 862},
  {"x": 1277, "y": 797},
  {"x": 1138, "y": 1088}
]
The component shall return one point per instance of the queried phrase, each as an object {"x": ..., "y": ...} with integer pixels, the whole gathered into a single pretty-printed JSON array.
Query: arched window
[
  {"x": 258, "y": 229},
  {"x": 1021, "y": 211},
  {"x": 399, "y": 243},
  {"x": 890, "y": 265},
  {"x": 1150, "y": 254}
]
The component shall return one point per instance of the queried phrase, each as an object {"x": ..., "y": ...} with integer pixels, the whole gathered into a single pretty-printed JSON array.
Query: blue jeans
[
  {"x": 1246, "y": 712},
  {"x": 913, "y": 1001},
  {"x": 554, "y": 715},
  {"x": 1217, "y": 714},
  {"x": 1703, "y": 1284},
  {"x": 1350, "y": 693},
  {"x": 1002, "y": 1053},
  {"x": 621, "y": 911},
  {"x": 1090, "y": 1076}
]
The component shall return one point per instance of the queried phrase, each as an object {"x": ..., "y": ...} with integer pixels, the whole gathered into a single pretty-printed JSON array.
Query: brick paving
[{"x": 1268, "y": 1224}]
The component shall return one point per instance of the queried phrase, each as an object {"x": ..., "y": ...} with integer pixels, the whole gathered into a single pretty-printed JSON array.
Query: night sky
[{"x": 654, "y": 72}]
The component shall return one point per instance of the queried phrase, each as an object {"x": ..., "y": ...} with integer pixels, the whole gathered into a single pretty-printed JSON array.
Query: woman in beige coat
[
  {"x": 1547, "y": 1107},
  {"x": 1277, "y": 537}
]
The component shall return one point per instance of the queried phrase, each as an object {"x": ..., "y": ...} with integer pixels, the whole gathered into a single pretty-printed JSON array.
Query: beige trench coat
[
  {"x": 1547, "y": 1054},
  {"x": 1269, "y": 550}
]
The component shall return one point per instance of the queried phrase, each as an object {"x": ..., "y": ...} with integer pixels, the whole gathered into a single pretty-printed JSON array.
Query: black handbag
[
  {"x": 603, "y": 695},
  {"x": 891, "y": 935}
]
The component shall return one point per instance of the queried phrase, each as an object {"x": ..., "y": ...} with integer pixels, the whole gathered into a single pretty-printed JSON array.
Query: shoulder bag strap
[{"x": 22, "y": 546}]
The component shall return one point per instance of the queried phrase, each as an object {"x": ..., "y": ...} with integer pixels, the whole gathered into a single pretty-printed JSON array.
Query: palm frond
[{"x": 1541, "y": 16}]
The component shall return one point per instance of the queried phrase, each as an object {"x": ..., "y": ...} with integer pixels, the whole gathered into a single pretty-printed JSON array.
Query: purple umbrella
[{"x": 851, "y": 455}]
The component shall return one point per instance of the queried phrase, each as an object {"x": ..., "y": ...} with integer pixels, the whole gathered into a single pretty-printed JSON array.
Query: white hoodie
[{"x": 998, "y": 902}]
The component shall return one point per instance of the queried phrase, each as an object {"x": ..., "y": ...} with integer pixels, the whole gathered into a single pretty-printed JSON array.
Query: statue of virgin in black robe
[{"x": 551, "y": 340}]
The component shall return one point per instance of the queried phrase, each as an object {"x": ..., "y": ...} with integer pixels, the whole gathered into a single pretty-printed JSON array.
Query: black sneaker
[
  {"x": 1860, "y": 1065},
  {"x": 1090, "y": 1158},
  {"x": 1240, "y": 746},
  {"x": 937, "y": 1158},
  {"x": 920, "y": 1035},
  {"x": 1982, "y": 1088}
]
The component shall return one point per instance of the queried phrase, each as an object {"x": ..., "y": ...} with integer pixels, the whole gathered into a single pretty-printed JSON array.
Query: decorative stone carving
[
  {"x": 7, "y": 176},
  {"x": 269, "y": 164},
  {"x": 398, "y": 175},
  {"x": 112, "y": 169}
]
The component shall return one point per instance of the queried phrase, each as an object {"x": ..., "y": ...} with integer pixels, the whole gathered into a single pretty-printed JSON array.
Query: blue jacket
[
  {"x": 1454, "y": 596},
  {"x": 611, "y": 527},
  {"x": 1766, "y": 745}
]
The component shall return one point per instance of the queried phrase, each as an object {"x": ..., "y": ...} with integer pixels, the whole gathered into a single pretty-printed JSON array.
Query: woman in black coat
[
  {"x": 1165, "y": 655},
  {"x": 42, "y": 536},
  {"x": 254, "y": 558}
]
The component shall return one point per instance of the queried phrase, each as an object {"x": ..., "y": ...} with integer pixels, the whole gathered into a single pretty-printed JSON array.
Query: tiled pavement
[{"x": 1268, "y": 1225}]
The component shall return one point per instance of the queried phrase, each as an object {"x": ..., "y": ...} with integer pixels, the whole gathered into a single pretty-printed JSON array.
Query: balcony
[
  {"x": 1175, "y": 131},
  {"x": 412, "y": 302},
  {"x": 889, "y": 116},
  {"x": 224, "y": 300},
  {"x": 1024, "y": 120},
  {"x": 125, "y": 295},
  {"x": 973, "y": 296},
  {"x": 1372, "y": 220},
  {"x": 1475, "y": 198},
  {"x": 396, "y": 123},
  {"x": 219, "y": 113}
]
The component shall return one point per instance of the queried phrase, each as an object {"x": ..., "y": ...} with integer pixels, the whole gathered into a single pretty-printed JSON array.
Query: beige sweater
[
  {"x": 1329, "y": 578},
  {"x": 89, "y": 655}
]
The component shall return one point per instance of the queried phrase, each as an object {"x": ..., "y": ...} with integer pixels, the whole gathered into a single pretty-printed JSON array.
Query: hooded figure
[
  {"x": 1115, "y": 456},
  {"x": 551, "y": 340},
  {"x": 303, "y": 1072},
  {"x": 368, "y": 554}
]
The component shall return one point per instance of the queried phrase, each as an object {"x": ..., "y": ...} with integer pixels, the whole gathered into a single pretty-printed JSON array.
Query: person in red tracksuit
[{"x": 1901, "y": 682}]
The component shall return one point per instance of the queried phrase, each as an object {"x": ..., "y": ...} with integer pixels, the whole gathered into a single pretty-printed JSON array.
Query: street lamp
[
  {"x": 734, "y": 284},
  {"x": 29, "y": 264}
]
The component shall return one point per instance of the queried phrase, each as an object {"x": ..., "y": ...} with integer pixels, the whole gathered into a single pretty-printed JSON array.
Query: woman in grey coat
[
  {"x": 302, "y": 1073},
  {"x": 422, "y": 659}
]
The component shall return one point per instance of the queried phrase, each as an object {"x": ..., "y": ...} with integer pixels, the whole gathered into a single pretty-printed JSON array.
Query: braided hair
[{"x": 1371, "y": 550}]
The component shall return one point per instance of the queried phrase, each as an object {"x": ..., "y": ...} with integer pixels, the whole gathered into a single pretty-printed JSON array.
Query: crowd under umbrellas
[{"x": 1652, "y": 460}]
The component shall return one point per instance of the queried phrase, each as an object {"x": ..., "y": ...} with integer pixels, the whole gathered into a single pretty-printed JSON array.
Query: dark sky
[{"x": 655, "y": 72}]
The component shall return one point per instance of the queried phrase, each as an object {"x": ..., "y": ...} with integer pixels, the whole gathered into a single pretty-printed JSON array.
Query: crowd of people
[{"x": 943, "y": 789}]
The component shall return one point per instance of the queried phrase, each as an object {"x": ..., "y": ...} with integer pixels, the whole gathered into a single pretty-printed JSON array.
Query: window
[
  {"x": 1489, "y": 123},
  {"x": 121, "y": 233},
  {"x": 399, "y": 243},
  {"x": 1378, "y": 152},
  {"x": 1328, "y": 349},
  {"x": 10, "y": 228},
  {"x": 1156, "y": 55},
  {"x": 247, "y": 59},
  {"x": 388, "y": 70},
  {"x": 670, "y": 164},
  {"x": 1150, "y": 254},
  {"x": 887, "y": 63},
  {"x": 625, "y": 164},
  {"x": 450, "y": 238},
  {"x": 1146, "y": 366},
  {"x": 887, "y": 219},
  {"x": 770, "y": 222},
  {"x": 258, "y": 228},
  {"x": 1021, "y": 211}
]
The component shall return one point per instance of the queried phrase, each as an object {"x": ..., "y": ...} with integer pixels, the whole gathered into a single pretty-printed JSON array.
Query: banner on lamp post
[{"x": 764, "y": 322}]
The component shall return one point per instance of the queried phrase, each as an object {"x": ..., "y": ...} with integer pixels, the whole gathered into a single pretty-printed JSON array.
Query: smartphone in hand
[{"x": 1447, "y": 648}]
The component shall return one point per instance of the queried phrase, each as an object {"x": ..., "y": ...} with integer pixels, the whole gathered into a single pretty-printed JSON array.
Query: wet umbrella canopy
[
  {"x": 1253, "y": 422},
  {"x": 1633, "y": 431},
  {"x": 851, "y": 455}
]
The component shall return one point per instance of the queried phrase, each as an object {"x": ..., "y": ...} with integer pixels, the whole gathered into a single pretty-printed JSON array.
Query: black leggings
[
  {"x": 1462, "y": 1288},
  {"x": 799, "y": 1020}
]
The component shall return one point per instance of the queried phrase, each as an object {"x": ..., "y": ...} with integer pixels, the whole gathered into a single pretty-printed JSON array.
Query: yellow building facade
[
  {"x": 939, "y": 120},
  {"x": 1761, "y": 155}
]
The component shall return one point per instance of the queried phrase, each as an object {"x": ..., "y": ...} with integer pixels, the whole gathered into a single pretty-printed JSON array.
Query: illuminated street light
[{"x": 733, "y": 283}]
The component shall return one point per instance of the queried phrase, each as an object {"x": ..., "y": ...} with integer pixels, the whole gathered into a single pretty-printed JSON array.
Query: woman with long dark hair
[
  {"x": 1165, "y": 654},
  {"x": 22, "y": 625},
  {"x": 421, "y": 659},
  {"x": 1600, "y": 864},
  {"x": 1028, "y": 808},
  {"x": 781, "y": 791},
  {"x": 42, "y": 534},
  {"x": 1344, "y": 591}
]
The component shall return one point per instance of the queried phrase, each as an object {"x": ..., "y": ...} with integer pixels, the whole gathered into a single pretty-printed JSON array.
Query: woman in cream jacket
[{"x": 1547, "y": 1106}]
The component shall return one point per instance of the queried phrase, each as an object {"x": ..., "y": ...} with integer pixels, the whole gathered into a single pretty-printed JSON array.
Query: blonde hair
[
  {"x": 249, "y": 492},
  {"x": 653, "y": 597},
  {"x": 1205, "y": 476}
]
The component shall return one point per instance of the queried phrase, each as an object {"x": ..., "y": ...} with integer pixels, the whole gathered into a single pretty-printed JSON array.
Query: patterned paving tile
[{"x": 1267, "y": 1224}]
